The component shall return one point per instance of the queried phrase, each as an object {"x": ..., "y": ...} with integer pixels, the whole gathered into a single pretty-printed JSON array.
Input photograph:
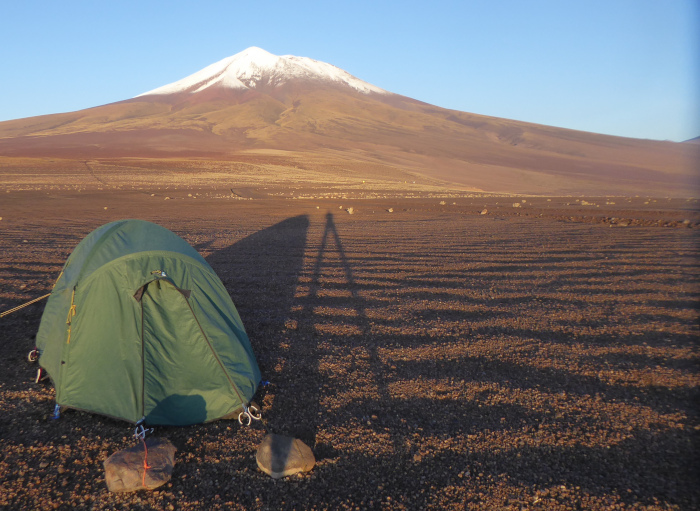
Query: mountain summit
[{"x": 255, "y": 68}]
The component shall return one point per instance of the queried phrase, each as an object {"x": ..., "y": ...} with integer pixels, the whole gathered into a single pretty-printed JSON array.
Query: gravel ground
[{"x": 432, "y": 357}]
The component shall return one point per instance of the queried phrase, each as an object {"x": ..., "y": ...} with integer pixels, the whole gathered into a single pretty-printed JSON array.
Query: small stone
[
  {"x": 124, "y": 470},
  {"x": 105, "y": 207},
  {"x": 167, "y": 198},
  {"x": 390, "y": 210},
  {"x": 281, "y": 456},
  {"x": 442, "y": 202},
  {"x": 350, "y": 211},
  {"x": 516, "y": 204},
  {"x": 484, "y": 212}
]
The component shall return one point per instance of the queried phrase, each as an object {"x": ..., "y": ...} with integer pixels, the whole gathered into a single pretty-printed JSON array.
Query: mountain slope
[{"x": 255, "y": 100}]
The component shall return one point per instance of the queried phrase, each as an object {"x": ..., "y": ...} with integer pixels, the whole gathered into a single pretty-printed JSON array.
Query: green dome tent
[{"x": 139, "y": 325}]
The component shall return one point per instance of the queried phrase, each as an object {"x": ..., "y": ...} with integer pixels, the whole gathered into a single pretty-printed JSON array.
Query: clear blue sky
[{"x": 622, "y": 67}]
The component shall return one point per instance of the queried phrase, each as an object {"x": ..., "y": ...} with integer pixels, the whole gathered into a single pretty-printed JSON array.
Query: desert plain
[{"x": 437, "y": 348}]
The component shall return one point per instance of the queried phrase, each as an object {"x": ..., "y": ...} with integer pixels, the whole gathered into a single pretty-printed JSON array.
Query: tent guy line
[{"x": 19, "y": 307}]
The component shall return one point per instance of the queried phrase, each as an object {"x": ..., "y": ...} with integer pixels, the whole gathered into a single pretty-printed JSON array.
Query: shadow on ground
[
  {"x": 313, "y": 311},
  {"x": 425, "y": 367}
]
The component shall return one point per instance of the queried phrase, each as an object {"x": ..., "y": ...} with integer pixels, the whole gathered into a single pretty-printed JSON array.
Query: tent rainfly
[{"x": 138, "y": 325}]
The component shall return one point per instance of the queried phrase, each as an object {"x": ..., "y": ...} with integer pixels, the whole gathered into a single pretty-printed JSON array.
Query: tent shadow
[
  {"x": 178, "y": 410},
  {"x": 261, "y": 274}
]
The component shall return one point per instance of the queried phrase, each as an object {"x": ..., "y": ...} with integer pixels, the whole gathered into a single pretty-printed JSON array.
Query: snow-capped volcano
[
  {"x": 246, "y": 105},
  {"x": 254, "y": 67}
]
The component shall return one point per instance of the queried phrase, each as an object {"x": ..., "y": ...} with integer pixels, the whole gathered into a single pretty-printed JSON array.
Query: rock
[
  {"x": 390, "y": 210},
  {"x": 350, "y": 211},
  {"x": 281, "y": 456},
  {"x": 516, "y": 204},
  {"x": 484, "y": 212},
  {"x": 124, "y": 470},
  {"x": 442, "y": 202}
]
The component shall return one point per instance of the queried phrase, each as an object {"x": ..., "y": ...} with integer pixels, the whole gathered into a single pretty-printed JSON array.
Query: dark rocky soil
[{"x": 432, "y": 357}]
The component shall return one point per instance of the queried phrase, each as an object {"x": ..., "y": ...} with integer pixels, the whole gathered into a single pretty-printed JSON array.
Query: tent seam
[
  {"x": 176, "y": 255},
  {"x": 216, "y": 356}
]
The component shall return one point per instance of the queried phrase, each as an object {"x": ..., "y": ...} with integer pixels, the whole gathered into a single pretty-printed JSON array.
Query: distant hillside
[{"x": 255, "y": 100}]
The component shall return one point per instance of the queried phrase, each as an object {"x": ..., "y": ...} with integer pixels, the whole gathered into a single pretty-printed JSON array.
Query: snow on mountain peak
[{"x": 255, "y": 66}]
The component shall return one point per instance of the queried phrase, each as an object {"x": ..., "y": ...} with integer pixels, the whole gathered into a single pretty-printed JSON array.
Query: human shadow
[
  {"x": 330, "y": 284},
  {"x": 277, "y": 283}
]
